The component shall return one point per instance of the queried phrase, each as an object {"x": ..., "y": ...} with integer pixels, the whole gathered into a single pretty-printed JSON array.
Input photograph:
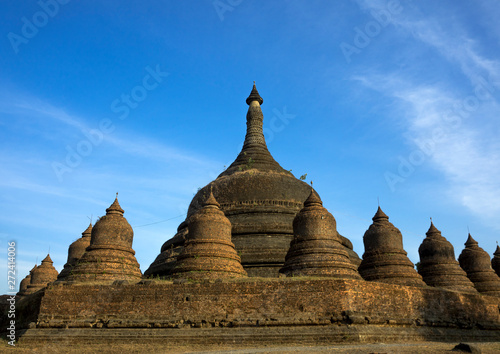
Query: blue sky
[{"x": 389, "y": 100}]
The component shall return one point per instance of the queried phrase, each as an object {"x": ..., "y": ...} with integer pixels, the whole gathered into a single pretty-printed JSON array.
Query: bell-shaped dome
[
  {"x": 477, "y": 264},
  {"x": 258, "y": 196},
  {"x": 384, "y": 259},
  {"x": 75, "y": 252},
  {"x": 113, "y": 228},
  {"x": 23, "y": 286},
  {"x": 438, "y": 266},
  {"x": 208, "y": 253},
  {"x": 42, "y": 275},
  {"x": 316, "y": 249},
  {"x": 110, "y": 255}
]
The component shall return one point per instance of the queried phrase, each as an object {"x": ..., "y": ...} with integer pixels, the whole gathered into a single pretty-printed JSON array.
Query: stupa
[
  {"x": 260, "y": 199},
  {"x": 42, "y": 275},
  {"x": 438, "y": 266},
  {"x": 75, "y": 252},
  {"x": 266, "y": 212},
  {"x": 476, "y": 262},
  {"x": 495, "y": 262},
  {"x": 23, "y": 286},
  {"x": 384, "y": 259},
  {"x": 316, "y": 249},
  {"x": 208, "y": 253},
  {"x": 110, "y": 255}
]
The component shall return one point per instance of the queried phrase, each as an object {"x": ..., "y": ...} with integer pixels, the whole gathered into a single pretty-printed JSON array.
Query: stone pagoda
[
  {"x": 23, "y": 286},
  {"x": 260, "y": 199},
  {"x": 75, "y": 252},
  {"x": 316, "y": 249},
  {"x": 42, "y": 275},
  {"x": 208, "y": 252},
  {"x": 476, "y": 262},
  {"x": 438, "y": 266},
  {"x": 384, "y": 259},
  {"x": 110, "y": 255},
  {"x": 495, "y": 262}
]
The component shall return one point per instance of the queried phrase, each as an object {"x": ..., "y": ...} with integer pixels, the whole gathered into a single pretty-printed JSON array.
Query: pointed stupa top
[
  {"x": 47, "y": 259},
  {"x": 470, "y": 242},
  {"x": 33, "y": 269},
  {"x": 497, "y": 251},
  {"x": 313, "y": 199},
  {"x": 88, "y": 231},
  {"x": 115, "y": 208},
  {"x": 254, "y": 154},
  {"x": 211, "y": 201},
  {"x": 380, "y": 215},
  {"x": 433, "y": 231},
  {"x": 254, "y": 96}
]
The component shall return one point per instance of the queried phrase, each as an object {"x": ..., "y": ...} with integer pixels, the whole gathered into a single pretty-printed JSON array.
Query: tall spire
[{"x": 254, "y": 154}]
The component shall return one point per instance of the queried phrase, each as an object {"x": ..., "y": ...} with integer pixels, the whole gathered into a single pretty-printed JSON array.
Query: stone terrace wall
[{"x": 287, "y": 302}]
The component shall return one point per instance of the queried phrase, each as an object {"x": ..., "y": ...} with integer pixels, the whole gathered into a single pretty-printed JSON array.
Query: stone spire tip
[
  {"x": 470, "y": 241},
  {"x": 211, "y": 200},
  {"x": 313, "y": 198},
  {"x": 115, "y": 208},
  {"x": 254, "y": 96},
  {"x": 380, "y": 215}
]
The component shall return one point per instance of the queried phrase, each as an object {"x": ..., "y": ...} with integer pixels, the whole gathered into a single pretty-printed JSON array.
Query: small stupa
[
  {"x": 42, "y": 275},
  {"x": 438, "y": 266},
  {"x": 110, "y": 255},
  {"x": 165, "y": 261},
  {"x": 384, "y": 259},
  {"x": 75, "y": 252},
  {"x": 476, "y": 262},
  {"x": 495, "y": 262},
  {"x": 316, "y": 249},
  {"x": 23, "y": 286},
  {"x": 208, "y": 251}
]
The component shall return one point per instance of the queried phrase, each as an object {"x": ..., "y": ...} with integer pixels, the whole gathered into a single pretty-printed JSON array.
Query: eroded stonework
[
  {"x": 110, "y": 255},
  {"x": 384, "y": 259},
  {"x": 208, "y": 252},
  {"x": 42, "y": 275},
  {"x": 75, "y": 252},
  {"x": 476, "y": 262},
  {"x": 316, "y": 249},
  {"x": 438, "y": 266}
]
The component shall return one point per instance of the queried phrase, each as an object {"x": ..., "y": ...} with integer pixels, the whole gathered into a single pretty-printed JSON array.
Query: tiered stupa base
[
  {"x": 390, "y": 267},
  {"x": 319, "y": 257},
  {"x": 486, "y": 283},
  {"x": 101, "y": 263},
  {"x": 446, "y": 275}
]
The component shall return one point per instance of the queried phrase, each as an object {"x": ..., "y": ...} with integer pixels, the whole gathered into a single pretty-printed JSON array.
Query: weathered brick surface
[
  {"x": 256, "y": 303},
  {"x": 438, "y": 266}
]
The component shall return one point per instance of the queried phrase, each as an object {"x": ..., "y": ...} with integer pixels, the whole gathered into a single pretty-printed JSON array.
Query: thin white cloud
[
  {"x": 467, "y": 155},
  {"x": 466, "y": 152},
  {"x": 444, "y": 35}
]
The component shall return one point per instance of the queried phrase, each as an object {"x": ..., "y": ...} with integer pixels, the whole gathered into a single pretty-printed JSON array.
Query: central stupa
[{"x": 259, "y": 197}]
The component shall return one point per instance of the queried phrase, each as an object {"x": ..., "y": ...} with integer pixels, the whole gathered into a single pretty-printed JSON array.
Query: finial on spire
[
  {"x": 311, "y": 184},
  {"x": 380, "y": 215},
  {"x": 115, "y": 208},
  {"x": 378, "y": 202},
  {"x": 211, "y": 200},
  {"x": 254, "y": 96}
]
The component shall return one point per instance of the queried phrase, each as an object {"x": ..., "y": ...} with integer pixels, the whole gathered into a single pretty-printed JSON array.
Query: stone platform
[{"x": 257, "y": 310}]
